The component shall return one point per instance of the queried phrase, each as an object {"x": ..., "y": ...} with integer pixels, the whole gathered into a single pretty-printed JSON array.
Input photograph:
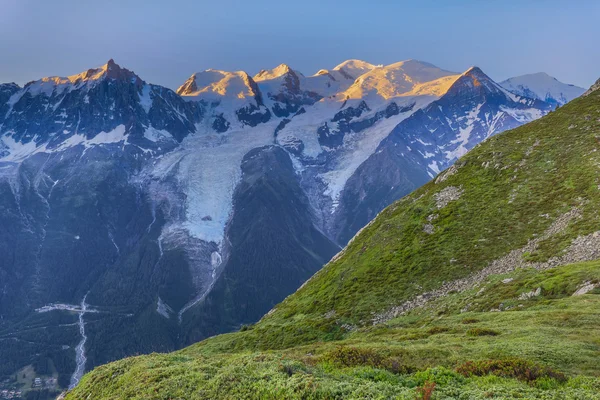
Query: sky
[{"x": 165, "y": 42}]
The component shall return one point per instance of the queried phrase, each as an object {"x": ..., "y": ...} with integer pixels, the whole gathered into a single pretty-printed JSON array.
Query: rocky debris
[
  {"x": 593, "y": 88},
  {"x": 447, "y": 174},
  {"x": 532, "y": 147},
  {"x": 429, "y": 229},
  {"x": 586, "y": 288},
  {"x": 432, "y": 217},
  {"x": 507, "y": 280},
  {"x": 530, "y": 295},
  {"x": 583, "y": 248},
  {"x": 329, "y": 314},
  {"x": 349, "y": 327},
  {"x": 446, "y": 195}
]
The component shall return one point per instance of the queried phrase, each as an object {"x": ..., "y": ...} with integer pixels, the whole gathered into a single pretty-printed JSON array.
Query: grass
[
  {"x": 549, "y": 347},
  {"x": 321, "y": 343}
]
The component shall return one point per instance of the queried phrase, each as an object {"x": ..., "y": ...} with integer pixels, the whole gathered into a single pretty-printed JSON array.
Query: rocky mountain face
[{"x": 173, "y": 216}]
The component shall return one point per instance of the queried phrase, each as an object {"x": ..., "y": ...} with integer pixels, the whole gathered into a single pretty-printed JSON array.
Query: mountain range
[
  {"x": 483, "y": 283},
  {"x": 141, "y": 219}
]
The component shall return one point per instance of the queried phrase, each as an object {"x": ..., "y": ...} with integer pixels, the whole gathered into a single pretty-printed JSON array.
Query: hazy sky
[{"x": 166, "y": 41}]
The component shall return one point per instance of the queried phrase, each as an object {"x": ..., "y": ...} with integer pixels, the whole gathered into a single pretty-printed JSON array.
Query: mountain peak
[
  {"x": 280, "y": 70},
  {"x": 403, "y": 78},
  {"x": 479, "y": 78},
  {"x": 110, "y": 70},
  {"x": 542, "y": 86},
  {"x": 354, "y": 68},
  {"x": 474, "y": 71},
  {"x": 213, "y": 84}
]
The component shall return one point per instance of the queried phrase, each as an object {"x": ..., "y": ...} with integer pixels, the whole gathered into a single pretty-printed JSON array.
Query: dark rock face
[
  {"x": 384, "y": 178},
  {"x": 348, "y": 120},
  {"x": 351, "y": 112},
  {"x": 220, "y": 124},
  {"x": 291, "y": 96},
  {"x": 328, "y": 138},
  {"x": 170, "y": 113},
  {"x": 281, "y": 125},
  {"x": 253, "y": 115},
  {"x": 75, "y": 224},
  {"x": 273, "y": 219},
  {"x": 6, "y": 91}
]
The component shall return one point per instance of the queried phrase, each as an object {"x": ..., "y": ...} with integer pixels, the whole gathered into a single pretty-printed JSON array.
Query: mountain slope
[
  {"x": 132, "y": 222},
  {"x": 543, "y": 87},
  {"x": 472, "y": 109},
  {"x": 490, "y": 269}
]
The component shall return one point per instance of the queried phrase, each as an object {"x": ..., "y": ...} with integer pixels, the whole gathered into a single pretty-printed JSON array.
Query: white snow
[
  {"x": 405, "y": 78},
  {"x": 464, "y": 134},
  {"x": 146, "y": 99},
  {"x": 216, "y": 85},
  {"x": 156, "y": 135},
  {"x": 18, "y": 151},
  {"x": 359, "y": 146},
  {"x": 163, "y": 308},
  {"x": 208, "y": 169},
  {"x": 543, "y": 87},
  {"x": 523, "y": 116},
  {"x": 355, "y": 68},
  {"x": 434, "y": 167}
]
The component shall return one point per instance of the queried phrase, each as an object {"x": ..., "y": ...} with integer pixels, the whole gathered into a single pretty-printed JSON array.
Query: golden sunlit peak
[{"x": 280, "y": 70}]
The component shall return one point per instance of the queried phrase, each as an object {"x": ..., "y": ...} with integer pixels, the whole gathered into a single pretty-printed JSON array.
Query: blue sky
[{"x": 166, "y": 41}]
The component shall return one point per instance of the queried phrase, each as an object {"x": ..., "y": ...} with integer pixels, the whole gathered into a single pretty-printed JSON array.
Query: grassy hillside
[{"x": 463, "y": 289}]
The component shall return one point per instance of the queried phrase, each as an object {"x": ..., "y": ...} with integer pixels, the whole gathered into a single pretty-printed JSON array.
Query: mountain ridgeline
[
  {"x": 483, "y": 283},
  {"x": 138, "y": 219}
]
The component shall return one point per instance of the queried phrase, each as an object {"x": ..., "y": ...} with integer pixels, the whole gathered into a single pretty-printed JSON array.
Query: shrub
[
  {"x": 470, "y": 321},
  {"x": 437, "y": 329},
  {"x": 482, "y": 332},
  {"x": 426, "y": 391},
  {"x": 355, "y": 357},
  {"x": 510, "y": 368}
]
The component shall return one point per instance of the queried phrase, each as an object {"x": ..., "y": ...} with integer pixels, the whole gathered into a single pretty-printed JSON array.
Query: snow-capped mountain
[
  {"x": 405, "y": 78},
  {"x": 231, "y": 98},
  {"x": 543, "y": 87},
  {"x": 184, "y": 214},
  {"x": 354, "y": 68},
  {"x": 430, "y": 140},
  {"x": 108, "y": 104}
]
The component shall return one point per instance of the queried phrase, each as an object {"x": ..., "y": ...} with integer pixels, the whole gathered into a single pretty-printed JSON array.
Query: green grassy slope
[{"x": 497, "y": 245}]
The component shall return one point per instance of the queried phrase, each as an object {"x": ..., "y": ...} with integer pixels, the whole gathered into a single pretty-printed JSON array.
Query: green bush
[
  {"x": 359, "y": 357},
  {"x": 523, "y": 370},
  {"x": 438, "y": 329},
  {"x": 482, "y": 332}
]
